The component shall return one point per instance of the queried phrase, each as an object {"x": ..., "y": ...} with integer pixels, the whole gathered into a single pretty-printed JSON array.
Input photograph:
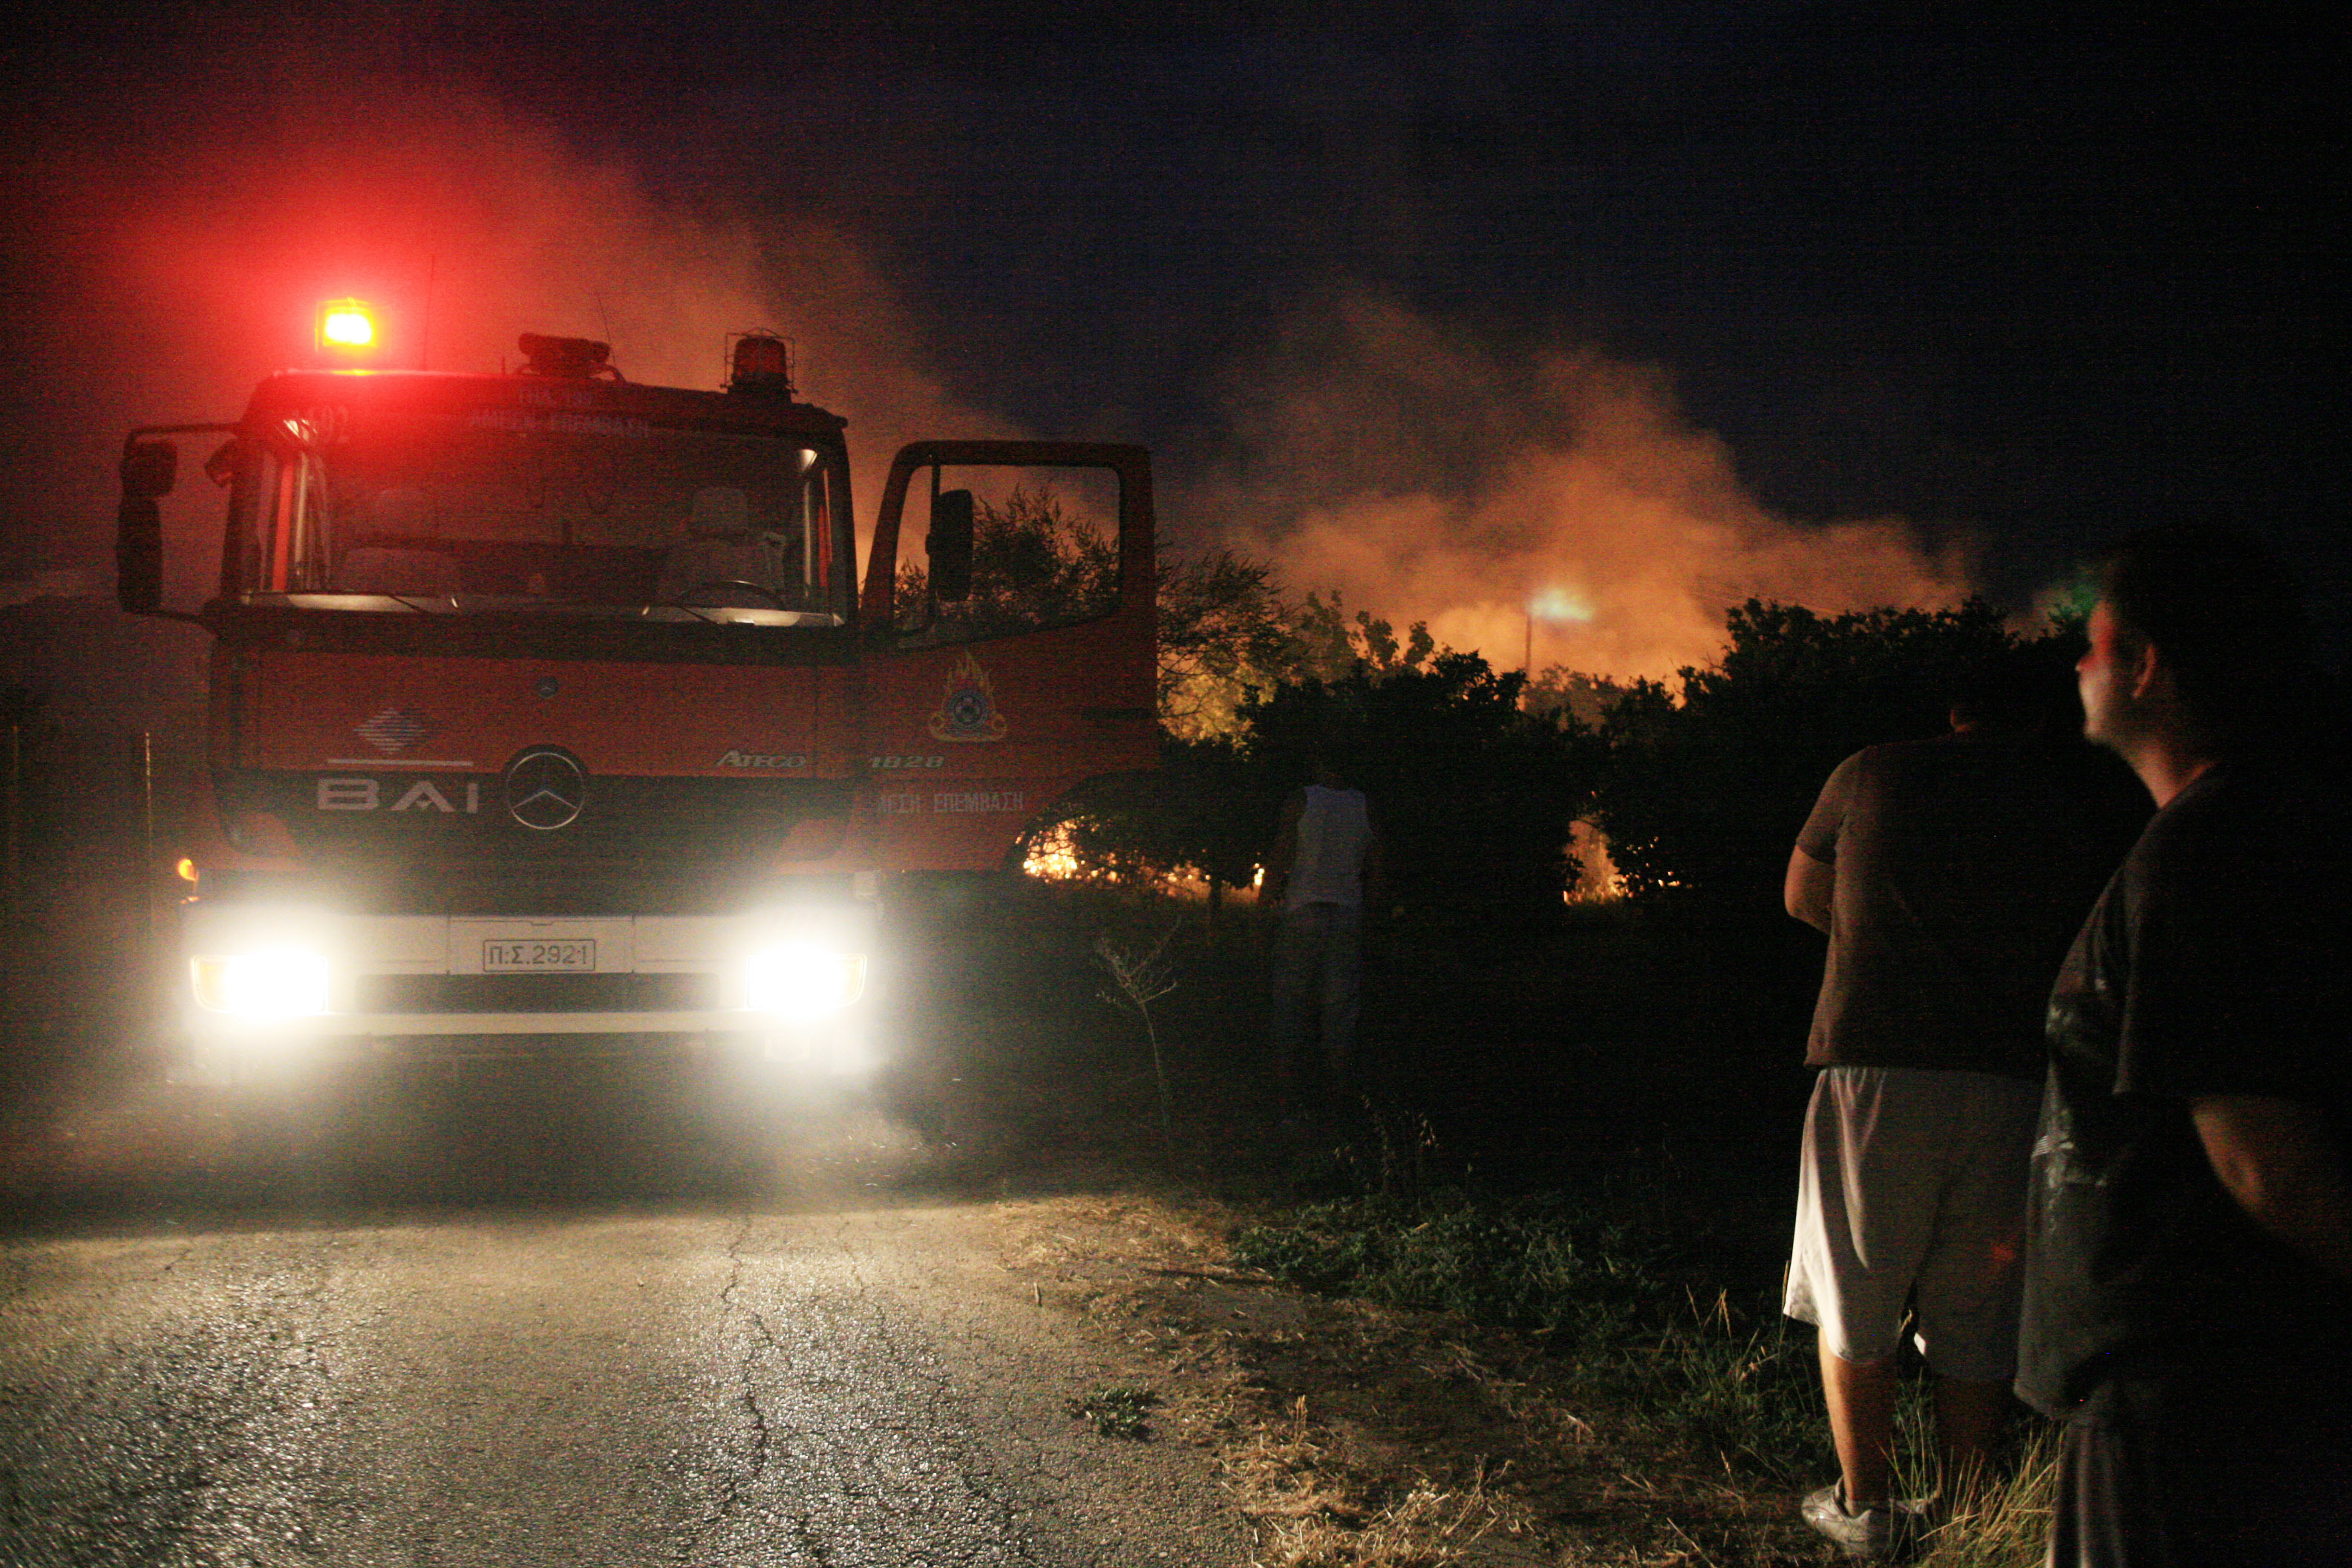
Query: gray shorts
[{"x": 1911, "y": 1190}]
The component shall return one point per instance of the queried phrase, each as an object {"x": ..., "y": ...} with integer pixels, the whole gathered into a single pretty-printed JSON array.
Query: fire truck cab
[{"x": 549, "y": 712}]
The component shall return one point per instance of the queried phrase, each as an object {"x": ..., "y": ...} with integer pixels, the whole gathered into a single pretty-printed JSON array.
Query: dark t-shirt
[
  {"x": 2215, "y": 964},
  {"x": 1963, "y": 867}
]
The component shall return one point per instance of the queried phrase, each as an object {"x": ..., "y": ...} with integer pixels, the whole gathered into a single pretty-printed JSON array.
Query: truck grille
[
  {"x": 689, "y": 830},
  {"x": 580, "y": 887},
  {"x": 539, "y": 993}
]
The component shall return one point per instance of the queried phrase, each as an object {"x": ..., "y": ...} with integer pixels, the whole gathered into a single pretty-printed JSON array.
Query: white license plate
[{"x": 500, "y": 957}]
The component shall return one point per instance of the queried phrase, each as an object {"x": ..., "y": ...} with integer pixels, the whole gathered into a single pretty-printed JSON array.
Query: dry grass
[
  {"x": 2002, "y": 1522},
  {"x": 1354, "y": 1434},
  {"x": 1317, "y": 1507},
  {"x": 1359, "y": 1436}
]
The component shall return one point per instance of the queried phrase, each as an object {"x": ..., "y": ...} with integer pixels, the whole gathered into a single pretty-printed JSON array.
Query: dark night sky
[{"x": 2021, "y": 286}]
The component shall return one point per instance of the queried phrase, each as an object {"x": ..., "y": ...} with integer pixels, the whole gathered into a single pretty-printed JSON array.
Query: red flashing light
[
  {"x": 346, "y": 325},
  {"x": 762, "y": 362}
]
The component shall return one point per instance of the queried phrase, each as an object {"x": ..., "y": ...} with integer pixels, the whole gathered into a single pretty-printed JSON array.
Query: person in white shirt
[{"x": 1324, "y": 869}]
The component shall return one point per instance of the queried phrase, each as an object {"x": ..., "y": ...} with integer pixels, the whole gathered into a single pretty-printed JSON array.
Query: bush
[
  {"x": 1704, "y": 793},
  {"x": 1475, "y": 798}
]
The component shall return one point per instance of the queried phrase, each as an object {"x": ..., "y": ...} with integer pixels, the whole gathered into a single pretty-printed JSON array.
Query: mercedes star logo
[{"x": 546, "y": 787}]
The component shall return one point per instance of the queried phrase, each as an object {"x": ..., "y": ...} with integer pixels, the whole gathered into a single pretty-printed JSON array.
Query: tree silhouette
[{"x": 1706, "y": 788}]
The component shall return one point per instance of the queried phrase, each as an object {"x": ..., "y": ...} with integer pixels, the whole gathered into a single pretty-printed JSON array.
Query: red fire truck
[{"x": 548, "y": 711}]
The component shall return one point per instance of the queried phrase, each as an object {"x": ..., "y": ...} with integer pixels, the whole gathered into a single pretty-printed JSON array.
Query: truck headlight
[
  {"x": 273, "y": 982},
  {"x": 800, "y": 980}
]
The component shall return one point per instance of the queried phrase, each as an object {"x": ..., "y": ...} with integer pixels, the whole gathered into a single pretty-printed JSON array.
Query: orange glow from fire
[{"x": 1053, "y": 858}]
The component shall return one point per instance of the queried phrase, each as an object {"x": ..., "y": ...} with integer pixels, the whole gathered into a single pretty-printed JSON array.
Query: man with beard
[{"x": 2189, "y": 1280}]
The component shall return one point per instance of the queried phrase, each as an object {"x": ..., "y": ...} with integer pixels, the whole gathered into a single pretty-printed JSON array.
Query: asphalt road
[{"x": 752, "y": 1372}]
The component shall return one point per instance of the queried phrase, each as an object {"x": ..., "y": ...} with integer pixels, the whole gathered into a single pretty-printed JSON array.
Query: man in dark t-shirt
[
  {"x": 1950, "y": 875},
  {"x": 1959, "y": 871},
  {"x": 2189, "y": 1280}
]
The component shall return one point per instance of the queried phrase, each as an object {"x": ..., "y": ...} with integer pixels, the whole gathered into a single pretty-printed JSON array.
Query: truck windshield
[{"x": 495, "y": 509}]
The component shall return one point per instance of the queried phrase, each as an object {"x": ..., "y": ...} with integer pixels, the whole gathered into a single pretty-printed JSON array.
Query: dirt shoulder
[{"x": 1354, "y": 1434}]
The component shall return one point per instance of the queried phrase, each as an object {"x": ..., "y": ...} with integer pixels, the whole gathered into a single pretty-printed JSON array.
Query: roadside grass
[
  {"x": 2000, "y": 1521},
  {"x": 1316, "y": 1514},
  {"x": 1617, "y": 1297},
  {"x": 1696, "y": 1371}
]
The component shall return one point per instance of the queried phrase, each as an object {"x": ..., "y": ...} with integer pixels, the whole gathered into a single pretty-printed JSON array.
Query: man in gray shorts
[{"x": 1950, "y": 875}]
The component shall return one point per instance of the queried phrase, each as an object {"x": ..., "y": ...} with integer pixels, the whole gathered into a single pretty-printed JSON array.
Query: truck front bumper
[{"x": 255, "y": 973}]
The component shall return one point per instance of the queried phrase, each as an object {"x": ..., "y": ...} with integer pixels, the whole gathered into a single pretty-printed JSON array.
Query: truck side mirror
[
  {"x": 950, "y": 545},
  {"x": 149, "y": 469}
]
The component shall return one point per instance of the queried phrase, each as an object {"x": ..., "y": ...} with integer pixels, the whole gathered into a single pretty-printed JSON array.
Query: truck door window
[
  {"x": 817, "y": 517},
  {"x": 283, "y": 520},
  {"x": 1044, "y": 552}
]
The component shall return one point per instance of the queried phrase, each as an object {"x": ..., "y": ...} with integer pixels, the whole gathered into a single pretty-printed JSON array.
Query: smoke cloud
[{"x": 1429, "y": 476}]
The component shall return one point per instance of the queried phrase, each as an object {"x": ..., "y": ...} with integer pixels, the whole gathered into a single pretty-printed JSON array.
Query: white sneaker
[{"x": 1881, "y": 1534}]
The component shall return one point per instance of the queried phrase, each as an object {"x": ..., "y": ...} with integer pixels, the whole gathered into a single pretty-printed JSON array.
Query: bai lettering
[{"x": 422, "y": 795}]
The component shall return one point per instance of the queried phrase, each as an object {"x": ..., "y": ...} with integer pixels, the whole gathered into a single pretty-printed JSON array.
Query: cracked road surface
[{"x": 533, "y": 1387}]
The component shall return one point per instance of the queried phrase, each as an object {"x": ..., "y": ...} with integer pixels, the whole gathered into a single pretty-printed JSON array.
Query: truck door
[{"x": 1008, "y": 614}]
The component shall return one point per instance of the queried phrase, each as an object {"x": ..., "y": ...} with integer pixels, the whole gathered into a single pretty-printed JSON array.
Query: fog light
[
  {"x": 800, "y": 981},
  {"x": 276, "y": 983}
]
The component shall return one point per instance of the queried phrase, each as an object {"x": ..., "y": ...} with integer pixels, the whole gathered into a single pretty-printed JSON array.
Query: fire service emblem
[
  {"x": 545, "y": 788},
  {"x": 396, "y": 730},
  {"x": 967, "y": 708}
]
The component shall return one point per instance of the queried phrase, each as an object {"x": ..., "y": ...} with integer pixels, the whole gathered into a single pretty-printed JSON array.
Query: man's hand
[{"x": 2277, "y": 1159}]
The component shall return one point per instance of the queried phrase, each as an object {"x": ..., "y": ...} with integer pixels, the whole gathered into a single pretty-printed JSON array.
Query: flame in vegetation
[
  {"x": 1055, "y": 855},
  {"x": 1432, "y": 478}
]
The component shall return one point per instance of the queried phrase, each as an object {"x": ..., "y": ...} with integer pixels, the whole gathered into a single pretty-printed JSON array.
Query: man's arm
[
  {"x": 2277, "y": 1159},
  {"x": 1808, "y": 888}
]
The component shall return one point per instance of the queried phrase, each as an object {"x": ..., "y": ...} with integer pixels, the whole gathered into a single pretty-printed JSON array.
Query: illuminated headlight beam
[
  {"x": 273, "y": 982},
  {"x": 799, "y": 980}
]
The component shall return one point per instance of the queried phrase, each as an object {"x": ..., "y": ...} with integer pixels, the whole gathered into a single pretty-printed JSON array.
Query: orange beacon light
[{"x": 346, "y": 325}]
